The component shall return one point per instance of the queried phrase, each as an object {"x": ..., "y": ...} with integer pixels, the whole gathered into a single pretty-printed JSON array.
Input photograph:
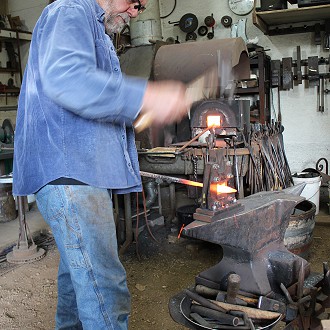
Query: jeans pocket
[
  {"x": 50, "y": 203},
  {"x": 55, "y": 205},
  {"x": 76, "y": 256}
]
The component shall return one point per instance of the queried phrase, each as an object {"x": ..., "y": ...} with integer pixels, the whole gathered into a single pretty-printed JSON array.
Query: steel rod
[{"x": 171, "y": 179}]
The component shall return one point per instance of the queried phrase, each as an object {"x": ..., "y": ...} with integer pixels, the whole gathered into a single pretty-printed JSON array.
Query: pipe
[
  {"x": 172, "y": 201},
  {"x": 128, "y": 224},
  {"x": 150, "y": 189}
]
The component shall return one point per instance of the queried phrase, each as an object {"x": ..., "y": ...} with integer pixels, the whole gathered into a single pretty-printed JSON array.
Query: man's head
[{"x": 119, "y": 12}]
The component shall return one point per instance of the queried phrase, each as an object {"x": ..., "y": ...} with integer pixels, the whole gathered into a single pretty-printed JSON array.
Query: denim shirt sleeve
[{"x": 79, "y": 76}]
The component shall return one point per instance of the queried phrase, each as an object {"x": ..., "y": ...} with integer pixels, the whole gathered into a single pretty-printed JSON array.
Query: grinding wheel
[{"x": 188, "y": 23}]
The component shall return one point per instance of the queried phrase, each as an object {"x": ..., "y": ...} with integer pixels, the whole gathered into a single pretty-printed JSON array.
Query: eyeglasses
[{"x": 140, "y": 8}]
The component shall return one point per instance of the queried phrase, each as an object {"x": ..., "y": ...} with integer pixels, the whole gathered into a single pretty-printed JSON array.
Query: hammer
[{"x": 204, "y": 86}]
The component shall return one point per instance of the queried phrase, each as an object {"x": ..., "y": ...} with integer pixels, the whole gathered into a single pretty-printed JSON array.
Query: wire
[{"x": 170, "y": 12}]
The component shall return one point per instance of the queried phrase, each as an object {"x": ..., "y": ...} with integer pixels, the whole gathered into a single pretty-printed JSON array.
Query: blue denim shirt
[{"x": 76, "y": 108}]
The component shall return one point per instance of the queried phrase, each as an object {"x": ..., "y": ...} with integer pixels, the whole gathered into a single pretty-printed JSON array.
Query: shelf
[
  {"x": 265, "y": 20},
  {"x": 8, "y": 108},
  {"x": 10, "y": 91},
  {"x": 8, "y": 70},
  {"x": 248, "y": 90},
  {"x": 11, "y": 34}
]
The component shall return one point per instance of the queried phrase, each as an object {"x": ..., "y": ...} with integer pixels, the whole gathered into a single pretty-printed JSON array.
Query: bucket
[
  {"x": 299, "y": 234},
  {"x": 312, "y": 189},
  {"x": 185, "y": 215},
  {"x": 7, "y": 203}
]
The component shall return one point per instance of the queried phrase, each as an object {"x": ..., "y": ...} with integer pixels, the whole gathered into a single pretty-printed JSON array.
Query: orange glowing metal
[
  {"x": 224, "y": 189},
  {"x": 213, "y": 121},
  {"x": 180, "y": 231},
  {"x": 191, "y": 183}
]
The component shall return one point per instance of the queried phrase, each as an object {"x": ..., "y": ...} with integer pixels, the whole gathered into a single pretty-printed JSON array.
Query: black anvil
[{"x": 253, "y": 244}]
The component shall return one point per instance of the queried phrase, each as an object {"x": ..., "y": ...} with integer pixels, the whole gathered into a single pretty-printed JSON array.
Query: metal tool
[
  {"x": 273, "y": 305},
  {"x": 171, "y": 179},
  {"x": 313, "y": 71},
  {"x": 287, "y": 74},
  {"x": 24, "y": 251},
  {"x": 299, "y": 72},
  {"x": 204, "y": 86}
]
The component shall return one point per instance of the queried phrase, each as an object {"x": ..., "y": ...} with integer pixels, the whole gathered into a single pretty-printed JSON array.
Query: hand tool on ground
[{"x": 223, "y": 318}]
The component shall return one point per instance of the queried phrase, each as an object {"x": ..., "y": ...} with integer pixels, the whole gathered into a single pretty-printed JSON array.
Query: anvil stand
[
  {"x": 23, "y": 252},
  {"x": 253, "y": 247}
]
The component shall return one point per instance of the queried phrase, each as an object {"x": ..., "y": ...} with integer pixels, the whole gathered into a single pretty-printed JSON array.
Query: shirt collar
[{"x": 99, "y": 12}]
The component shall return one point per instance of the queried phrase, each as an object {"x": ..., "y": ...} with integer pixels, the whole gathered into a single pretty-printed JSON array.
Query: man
[{"x": 74, "y": 147}]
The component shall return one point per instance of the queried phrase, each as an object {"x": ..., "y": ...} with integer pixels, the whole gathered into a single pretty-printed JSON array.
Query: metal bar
[
  {"x": 171, "y": 179},
  {"x": 193, "y": 139},
  {"x": 128, "y": 224}
]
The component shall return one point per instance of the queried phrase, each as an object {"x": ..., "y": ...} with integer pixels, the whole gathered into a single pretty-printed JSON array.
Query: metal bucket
[
  {"x": 298, "y": 236},
  {"x": 7, "y": 203},
  {"x": 312, "y": 188}
]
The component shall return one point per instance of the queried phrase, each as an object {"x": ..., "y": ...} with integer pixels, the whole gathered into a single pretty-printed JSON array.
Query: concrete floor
[{"x": 9, "y": 231}]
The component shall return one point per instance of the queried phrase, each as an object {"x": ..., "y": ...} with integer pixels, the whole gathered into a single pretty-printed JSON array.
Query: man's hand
[{"x": 164, "y": 102}]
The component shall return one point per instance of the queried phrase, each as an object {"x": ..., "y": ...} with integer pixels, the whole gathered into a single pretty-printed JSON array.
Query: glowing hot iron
[
  {"x": 213, "y": 121},
  {"x": 224, "y": 189}
]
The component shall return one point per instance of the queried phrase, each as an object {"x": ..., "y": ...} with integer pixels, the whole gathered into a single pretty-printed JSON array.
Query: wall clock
[{"x": 241, "y": 7}]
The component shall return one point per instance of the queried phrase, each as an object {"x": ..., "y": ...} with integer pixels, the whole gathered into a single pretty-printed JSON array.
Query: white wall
[
  {"x": 27, "y": 10},
  {"x": 307, "y": 132}
]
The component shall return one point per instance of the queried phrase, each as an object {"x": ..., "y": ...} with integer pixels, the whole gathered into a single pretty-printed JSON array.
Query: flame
[{"x": 213, "y": 121}]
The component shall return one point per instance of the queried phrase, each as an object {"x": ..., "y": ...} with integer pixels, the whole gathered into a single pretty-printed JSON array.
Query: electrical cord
[{"x": 170, "y": 12}]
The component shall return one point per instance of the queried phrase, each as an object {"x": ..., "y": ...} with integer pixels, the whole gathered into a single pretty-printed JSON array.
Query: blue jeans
[{"x": 92, "y": 287}]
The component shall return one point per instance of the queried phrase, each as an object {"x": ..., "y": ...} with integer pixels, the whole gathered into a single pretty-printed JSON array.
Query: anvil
[{"x": 253, "y": 244}]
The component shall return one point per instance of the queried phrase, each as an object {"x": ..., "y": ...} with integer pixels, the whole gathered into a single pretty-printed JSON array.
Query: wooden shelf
[
  {"x": 8, "y": 70},
  {"x": 265, "y": 20},
  {"x": 248, "y": 90},
  {"x": 10, "y": 91},
  {"x": 11, "y": 34},
  {"x": 17, "y": 39}
]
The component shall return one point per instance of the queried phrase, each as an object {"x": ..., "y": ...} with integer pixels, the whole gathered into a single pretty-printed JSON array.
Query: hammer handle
[{"x": 202, "y": 87}]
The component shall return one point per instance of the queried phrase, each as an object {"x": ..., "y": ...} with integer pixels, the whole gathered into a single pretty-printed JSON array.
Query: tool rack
[
  {"x": 287, "y": 72},
  {"x": 260, "y": 63}
]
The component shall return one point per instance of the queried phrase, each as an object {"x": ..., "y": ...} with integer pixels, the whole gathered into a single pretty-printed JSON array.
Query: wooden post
[{"x": 3, "y": 7}]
